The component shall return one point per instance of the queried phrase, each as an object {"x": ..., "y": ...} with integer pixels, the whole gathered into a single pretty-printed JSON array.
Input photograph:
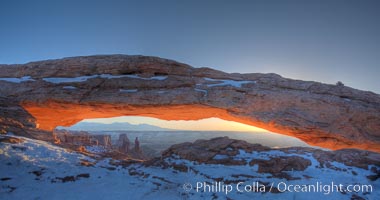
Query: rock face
[
  {"x": 223, "y": 150},
  {"x": 247, "y": 162},
  {"x": 82, "y": 138},
  {"x": 280, "y": 164},
  {"x": 137, "y": 145},
  {"x": 39, "y": 96},
  {"x": 102, "y": 140},
  {"x": 12, "y": 140},
  {"x": 15, "y": 119},
  {"x": 123, "y": 143}
]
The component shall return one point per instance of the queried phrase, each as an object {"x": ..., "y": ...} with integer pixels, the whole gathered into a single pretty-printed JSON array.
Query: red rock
[
  {"x": 324, "y": 115},
  {"x": 281, "y": 164},
  {"x": 12, "y": 140},
  {"x": 204, "y": 151}
]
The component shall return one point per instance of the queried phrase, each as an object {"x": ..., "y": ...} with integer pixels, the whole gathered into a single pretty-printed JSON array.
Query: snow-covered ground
[{"x": 39, "y": 170}]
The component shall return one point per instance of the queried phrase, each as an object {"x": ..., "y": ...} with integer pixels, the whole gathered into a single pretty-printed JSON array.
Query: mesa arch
[{"x": 36, "y": 97}]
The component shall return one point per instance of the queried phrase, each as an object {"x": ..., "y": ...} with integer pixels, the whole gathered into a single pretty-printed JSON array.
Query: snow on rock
[
  {"x": 200, "y": 90},
  {"x": 222, "y": 82},
  {"x": 17, "y": 80},
  {"x": 220, "y": 157},
  {"x": 128, "y": 90},
  {"x": 69, "y": 87},
  {"x": 160, "y": 78},
  {"x": 312, "y": 103},
  {"x": 39, "y": 170},
  {"x": 96, "y": 149},
  {"x": 68, "y": 80},
  {"x": 57, "y": 80}
]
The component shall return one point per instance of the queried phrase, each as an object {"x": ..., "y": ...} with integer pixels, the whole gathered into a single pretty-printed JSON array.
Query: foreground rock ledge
[{"x": 36, "y": 97}]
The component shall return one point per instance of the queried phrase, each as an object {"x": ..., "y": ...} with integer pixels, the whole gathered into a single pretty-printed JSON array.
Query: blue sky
[{"x": 326, "y": 41}]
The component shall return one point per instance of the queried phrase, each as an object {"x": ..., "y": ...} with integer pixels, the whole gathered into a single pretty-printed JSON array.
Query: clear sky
[
  {"x": 209, "y": 124},
  {"x": 325, "y": 40}
]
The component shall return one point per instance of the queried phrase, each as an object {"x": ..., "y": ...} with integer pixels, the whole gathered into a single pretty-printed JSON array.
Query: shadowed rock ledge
[{"x": 38, "y": 96}]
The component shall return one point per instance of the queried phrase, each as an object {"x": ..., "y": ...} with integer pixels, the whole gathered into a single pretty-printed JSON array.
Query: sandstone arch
[{"x": 62, "y": 92}]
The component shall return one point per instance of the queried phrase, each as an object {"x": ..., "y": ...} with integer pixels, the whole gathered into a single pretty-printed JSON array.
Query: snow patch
[
  {"x": 69, "y": 87},
  {"x": 68, "y": 80},
  {"x": 57, "y": 80},
  {"x": 17, "y": 80},
  {"x": 347, "y": 99},
  {"x": 200, "y": 90},
  {"x": 220, "y": 157},
  {"x": 95, "y": 149},
  {"x": 225, "y": 82},
  {"x": 128, "y": 90},
  {"x": 160, "y": 78}
]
